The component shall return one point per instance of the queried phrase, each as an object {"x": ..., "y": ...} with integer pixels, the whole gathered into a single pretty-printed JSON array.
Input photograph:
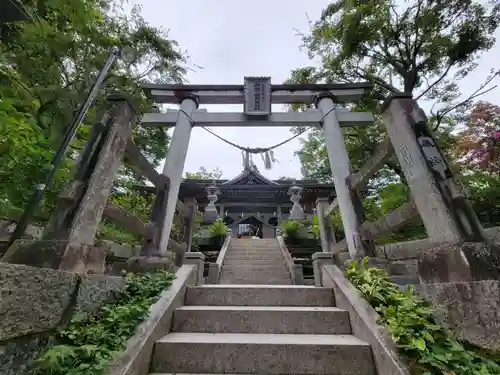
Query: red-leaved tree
[{"x": 478, "y": 146}]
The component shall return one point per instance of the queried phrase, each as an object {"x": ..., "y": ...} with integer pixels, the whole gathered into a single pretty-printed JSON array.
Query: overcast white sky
[{"x": 231, "y": 39}]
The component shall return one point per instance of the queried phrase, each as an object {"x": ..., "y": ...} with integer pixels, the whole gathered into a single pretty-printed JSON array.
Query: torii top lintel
[{"x": 235, "y": 94}]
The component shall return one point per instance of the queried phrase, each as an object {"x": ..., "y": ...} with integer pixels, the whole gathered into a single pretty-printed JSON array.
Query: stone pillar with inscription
[
  {"x": 462, "y": 270},
  {"x": 75, "y": 227}
]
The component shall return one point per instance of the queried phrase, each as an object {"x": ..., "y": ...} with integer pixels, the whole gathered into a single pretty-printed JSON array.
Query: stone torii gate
[{"x": 257, "y": 94}]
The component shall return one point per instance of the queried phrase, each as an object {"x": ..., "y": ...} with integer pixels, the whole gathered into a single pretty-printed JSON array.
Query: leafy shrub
[
  {"x": 428, "y": 348},
  {"x": 218, "y": 228},
  {"x": 88, "y": 344},
  {"x": 315, "y": 227},
  {"x": 108, "y": 230},
  {"x": 291, "y": 228}
]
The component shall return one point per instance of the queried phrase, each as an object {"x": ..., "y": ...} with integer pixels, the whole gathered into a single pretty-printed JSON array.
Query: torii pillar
[
  {"x": 341, "y": 170},
  {"x": 174, "y": 165}
]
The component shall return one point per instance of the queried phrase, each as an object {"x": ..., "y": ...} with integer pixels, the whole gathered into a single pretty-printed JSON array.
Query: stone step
[
  {"x": 253, "y": 256},
  {"x": 255, "y": 245},
  {"x": 254, "y": 262},
  {"x": 255, "y": 281},
  {"x": 261, "y": 278},
  {"x": 255, "y": 251},
  {"x": 245, "y": 271},
  {"x": 259, "y": 295},
  {"x": 242, "y": 267},
  {"x": 261, "y": 319},
  {"x": 250, "y": 353}
]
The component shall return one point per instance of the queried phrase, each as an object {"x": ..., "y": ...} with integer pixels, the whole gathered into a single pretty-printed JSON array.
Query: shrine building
[{"x": 250, "y": 203}]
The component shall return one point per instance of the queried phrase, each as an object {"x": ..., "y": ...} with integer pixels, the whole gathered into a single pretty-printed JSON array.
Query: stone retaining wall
[{"x": 36, "y": 301}]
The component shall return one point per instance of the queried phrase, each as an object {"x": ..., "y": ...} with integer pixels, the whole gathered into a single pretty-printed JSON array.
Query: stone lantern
[
  {"x": 211, "y": 213},
  {"x": 297, "y": 212}
]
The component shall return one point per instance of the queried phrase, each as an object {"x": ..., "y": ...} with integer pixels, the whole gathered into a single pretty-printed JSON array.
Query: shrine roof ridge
[{"x": 280, "y": 183}]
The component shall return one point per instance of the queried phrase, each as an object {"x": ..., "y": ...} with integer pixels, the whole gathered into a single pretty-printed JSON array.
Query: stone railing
[
  {"x": 296, "y": 270},
  {"x": 215, "y": 268}
]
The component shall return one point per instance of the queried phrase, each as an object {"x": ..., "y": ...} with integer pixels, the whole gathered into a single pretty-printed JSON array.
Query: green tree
[
  {"x": 203, "y": 174},
  {"x": 46, "y": 66},
  {"x": 419, "y": 47}
]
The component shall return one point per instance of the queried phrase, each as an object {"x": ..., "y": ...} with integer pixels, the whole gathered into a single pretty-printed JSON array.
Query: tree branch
[
  {"x": 475, "y": 94},
  {"x": 435, "y": 82}
]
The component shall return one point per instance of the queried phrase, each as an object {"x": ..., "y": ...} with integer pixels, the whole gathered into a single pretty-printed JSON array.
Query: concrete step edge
[{"x": 262, "y": 338}]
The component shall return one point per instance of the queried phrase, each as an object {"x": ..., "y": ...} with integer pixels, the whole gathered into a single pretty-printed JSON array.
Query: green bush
[
  {"x": 291, "y": 228},
  {"x": 88, "y": 344},
  {"x": 426, "y": 345},
  {"x": 218, "y": 228}
]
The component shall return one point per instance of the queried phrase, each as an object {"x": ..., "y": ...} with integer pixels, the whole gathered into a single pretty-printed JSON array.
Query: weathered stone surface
[
  {"x": 7, "y": 227},
  {"x": 150, "y": 264},
  {"x": 84, "y": 259},
  {"x": 470, "y": 309},
  {"x": 33, "y": 299},
  {"x": 18, "y": 356},
  {"x": 95, "y": 290},
  {"x": 122, "y": 250},
  {"x": 43, "y": 254},
  {"x": 403, "y": 267},
  {"x": 465, "y": 262}
]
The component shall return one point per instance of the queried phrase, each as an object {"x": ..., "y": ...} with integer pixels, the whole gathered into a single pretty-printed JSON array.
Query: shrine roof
[{"x": 251, "y": 186}]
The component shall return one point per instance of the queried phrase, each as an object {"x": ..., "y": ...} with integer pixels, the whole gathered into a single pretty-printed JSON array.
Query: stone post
[
  {"x": 462, "y": 271},
  {"x": 460, "y": 252},
  {"x": 80, "y": 254},
  {"x": 326, "y": 232},
  {"x": 341, "y": 170},
  {"x": 213, "y": 273},
  {"x": 197, "y": 259},
  {"x": 319, "y": 260},
  {"x": 190, "y": 222},
  {"x": 401, "y": 113},
  {"x": 174, "y": 165}
]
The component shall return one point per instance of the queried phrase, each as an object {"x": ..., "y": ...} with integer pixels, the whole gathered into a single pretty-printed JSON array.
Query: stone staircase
[
  {"x": 261, "y": 329},
  {"x": 254, "y": 262}
]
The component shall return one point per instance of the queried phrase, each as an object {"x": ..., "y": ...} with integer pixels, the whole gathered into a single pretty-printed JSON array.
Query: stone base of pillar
[
  {"x": 197, "y": 259},
  {"x": 213, "y": 273},
  {"x": 318, "y": 261},
  {"x": 145, "y": 264},
  {"x": 57, "y": 254},
  {"x": 471, "y": 261},
  {"x": 470, "y": 309},
  {"x": 83, "y": 259},
  {"x": 35, "y": 253}
]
